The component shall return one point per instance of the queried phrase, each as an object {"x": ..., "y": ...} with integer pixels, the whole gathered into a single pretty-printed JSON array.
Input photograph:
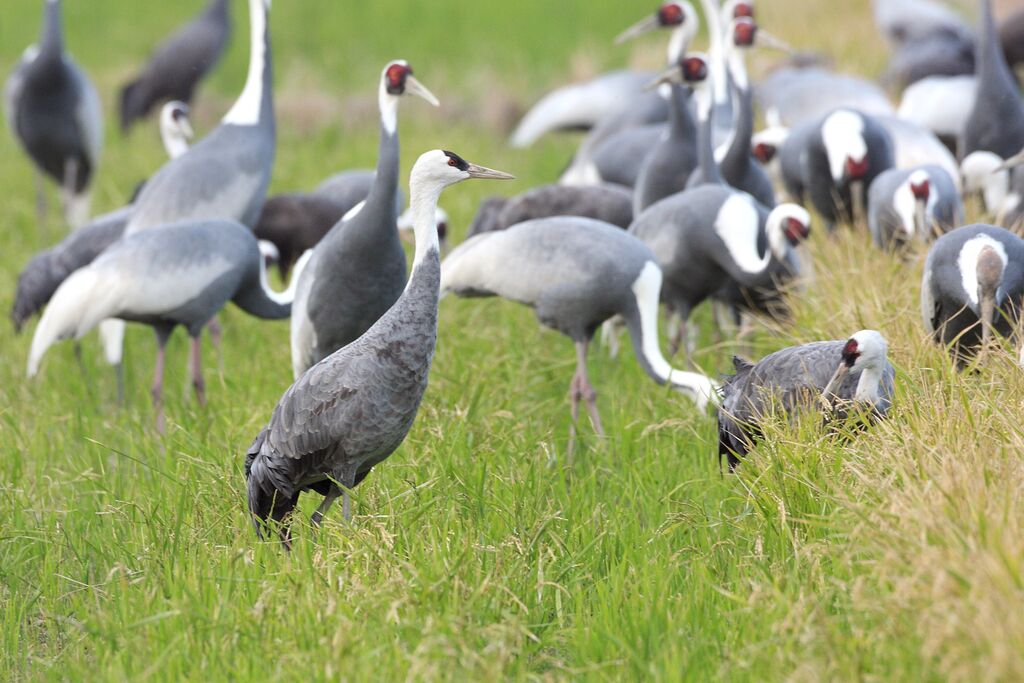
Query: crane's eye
[{"x": 452, "y": 162}]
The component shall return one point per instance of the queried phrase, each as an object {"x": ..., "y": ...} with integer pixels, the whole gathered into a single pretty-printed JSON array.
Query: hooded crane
[
  {"x": 837, "y": 158},
  {"x": 605, "y": 202},
  {"x": 905, "y": 205},
  {"x": 164, "y": 278},
  {"x": 358, "y": 270},
  {"x": 856, "y": 372},
  {"x": 48, "y": 269},
  {"x": 712, "y": 236},
  {"x": 996, "y": 123},
  {"x": 972, "y": 287},
  {"x": 178, "y": 64},
  {"x": 613, "y": 149},
  {"x": 350, "y": 411},
  {"x": 575, "y": 273},
  {"x": 1001, "y": 189},
  {"x": 584, "y": 105},
  {"x": 54, "y": 111}
]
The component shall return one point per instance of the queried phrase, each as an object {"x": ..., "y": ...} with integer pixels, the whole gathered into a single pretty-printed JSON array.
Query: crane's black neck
[
  {"x": 51, "y": 41},
  {"x": 681, "y": 122},
  {"x": 705, "y": 143}
]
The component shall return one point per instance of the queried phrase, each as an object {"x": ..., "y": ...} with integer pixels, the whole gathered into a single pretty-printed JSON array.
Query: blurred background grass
[{"x": 477, "y": 551}]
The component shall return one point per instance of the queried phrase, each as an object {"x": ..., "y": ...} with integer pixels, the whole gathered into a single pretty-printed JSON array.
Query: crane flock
[{"x": 672, "y": 197}]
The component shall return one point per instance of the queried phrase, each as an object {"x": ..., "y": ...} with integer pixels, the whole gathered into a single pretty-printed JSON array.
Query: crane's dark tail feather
[
  {"x": 133, "y": 106},
  {"x": 36, "y": 284},
  {"x": 268, "y": 506}
]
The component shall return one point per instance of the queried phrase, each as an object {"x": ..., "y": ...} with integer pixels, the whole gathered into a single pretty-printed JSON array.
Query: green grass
[{"x": 477, "y": 551}]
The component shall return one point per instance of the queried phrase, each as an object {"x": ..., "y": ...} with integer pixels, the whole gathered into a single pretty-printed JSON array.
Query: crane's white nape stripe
[
  {"x": 967, "y": 262},
  {"x": 246, "y": 110},
  {"x": 351, "y": 213},
  {"x": 647, "y": 290},
  {"x": 288, "y": 295},
  {"x": 269, "y": 250},
  {"x": 843, "y": 136},
  {"x": 905, "y": 204},
  {"x": 927, "y": 301},
  {"x": 302, "y": 333},
  {"x": 737, "y": 225},
  {"x": 388, "y": 110}
]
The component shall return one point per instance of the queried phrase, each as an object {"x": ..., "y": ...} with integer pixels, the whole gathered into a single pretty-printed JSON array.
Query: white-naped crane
[
  {"x": 839, "y": 377},
  {"x": 913, "y": 205},
  {"x": 54, "y": 112},
  {"x": 609, "y": 203},
  {"x": 972, "y": 288},
  {"x": 321, "y": 436},
  {"x": 575, "y": 273},
  {"x": 791, "y": 96}
]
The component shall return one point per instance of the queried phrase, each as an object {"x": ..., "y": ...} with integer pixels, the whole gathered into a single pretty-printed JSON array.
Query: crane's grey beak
[
  {"x": 638, "y": 29},
  {"x": 768, "y": 40},
  {"x": 416, "y": 88},
  {"x": 1011, "y": 163},
  {"x": 833, "y": 383},
  {"x": 673, "y": 74},
  {"x": 482, "y": 172}
]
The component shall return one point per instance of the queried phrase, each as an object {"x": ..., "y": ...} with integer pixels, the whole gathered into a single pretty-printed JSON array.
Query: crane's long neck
[
  {"x": 51, "y": 41},
  {"x": 256, "y": 104},
  {"x": 264, "y": 302},
  {"x": 423, "y": 208},
  {"x": 642, "y": 322},
  {"x": 716, "y": 53},
  {"x": 738, "y": 145},
  {"x": 869, "y": 385},
  {"x": 175, "y": 143},
  {"x": 680, "y": 120},
  {"x": 385, "y": 183},
  {"x": 705, "y": 145}
]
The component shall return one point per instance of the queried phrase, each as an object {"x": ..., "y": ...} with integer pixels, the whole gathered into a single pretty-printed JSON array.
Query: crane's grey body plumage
[
  {"x": 348, "y": 188},
  {"x": 46, "y": 270},
  {"x": 791, "y": 96},
  {"x": 605, "y": 202},
  {"x": 788, "y": 380},
  {"x": 178, "y": 64},
  {"x": 296, "y": 222},
  {"x": 950, "y": 289},
  {"x": 996, "y": 123},
  {"x": 738, "y": 167},
  {"x": 670, "y": 162}
]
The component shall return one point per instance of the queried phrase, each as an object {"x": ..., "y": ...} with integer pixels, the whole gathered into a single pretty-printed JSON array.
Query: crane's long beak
[
  {"x": 483, "y": 172},
  {"x": 833, "y": 383},
  {"x": 638, "y": 29},
  {"x": 768, "y": 40},
  {"x": 673, "y": 74},
  {"x": 1011, "y": 163},
  {"x": 416, "y": 88}
]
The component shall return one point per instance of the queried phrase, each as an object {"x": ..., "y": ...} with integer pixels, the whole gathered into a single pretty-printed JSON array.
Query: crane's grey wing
[
  {"x": 191, "y": 51},
  {"x": 789, "y": 378},
  {"x": 89, "y": 114}
]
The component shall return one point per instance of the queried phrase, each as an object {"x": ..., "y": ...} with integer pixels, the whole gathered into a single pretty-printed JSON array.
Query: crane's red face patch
[
  {"x": 695, "y": 69},
  {"x": 743, "y": 9},
  {"x": 851, "y": 352},
  {"x": 671, "y": 14},
  {"x": 796, "y": 230},
  {"x": 395, "y": 78},
  {"x": 857, "y": 169},
  {"x": 921, "y": 190},
  {"x": 744, "y": 33},
  {"x": 764, "y": 152}
]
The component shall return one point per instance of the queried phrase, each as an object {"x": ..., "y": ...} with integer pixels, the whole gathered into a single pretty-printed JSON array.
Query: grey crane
[
  {"x": 1011, "y": 36},
  {"x": 972, "y": 287},
  {"x": 350, "y": 411},
  {"x": 711, "y": 236},
  {"x": 791, "y": 96},
  {"x": 351, "y": 187},
  {"x": 182, "y": 275},
  {"x": 928, "y": 39},
  {"x": 357, "y": 271},
  {"x": 599, "y": 154},
  {"x": 584, "y": 105},
  {"x": 906, "y": 205},
  {"x": 941, "y": 104},
  {"x": 225, "y": 175},
  {"x": 996, "y": 123},
  {"x": 605, "y": 202},
  {"x": 838, "y": 376},
  {"x": 178, "y": 64},
  {"x": 835, "y": 161},
  {"x": 669, "y": 163},
  {"x": 576, "y": 273},
  {"x": 903, "y": 21},
  {"x": 46, "y": 270},
  {"x": 54, "y": 112}
]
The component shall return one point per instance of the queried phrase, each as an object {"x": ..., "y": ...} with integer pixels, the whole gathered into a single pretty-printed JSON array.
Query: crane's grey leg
[
  {"x": 574, "y": 398},
  {"x": 216, "y": 337},
  {"x": 158, "y": 384},
  {"x": 348, "y": 480},
  {"x": 198, "y": 383},
  {"x": 332, "y": 495},
  {"x": 584, "y": 389}
]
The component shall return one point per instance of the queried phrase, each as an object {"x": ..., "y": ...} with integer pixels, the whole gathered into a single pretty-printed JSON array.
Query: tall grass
[{"x": 477, "y": 551}]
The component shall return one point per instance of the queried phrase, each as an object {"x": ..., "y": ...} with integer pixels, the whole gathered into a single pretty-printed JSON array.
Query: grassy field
[{"x": 477, "y": 551}]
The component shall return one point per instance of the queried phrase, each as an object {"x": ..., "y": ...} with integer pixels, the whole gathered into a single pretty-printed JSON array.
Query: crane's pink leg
[
  {"x": 216, "y": 337},
  {"x": 158, "y": 384},
  {"x": 585, "y": 389},
  {"x": 198, "y": 383},
  {"x": 574, "y": 398}
]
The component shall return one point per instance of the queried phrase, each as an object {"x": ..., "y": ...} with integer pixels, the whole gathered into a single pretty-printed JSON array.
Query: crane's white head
[
  {"x": 920, "y": 184},
  {"x": 673, "y": 14},
  {"x": 397, "y": 80},
  {"x": 787, "y": 225},
  {"x": 734, "y": 9},
  {"x": 691, "y": 70},
  {"x": 842, "y": 133},
  {"x": 865, "y": 350},
  {"x": 175, "y": 128},
  {"x": 746, "y": 33},
  {"x": 439, "y": 168},
  {"x": 767, "y": 143}
]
